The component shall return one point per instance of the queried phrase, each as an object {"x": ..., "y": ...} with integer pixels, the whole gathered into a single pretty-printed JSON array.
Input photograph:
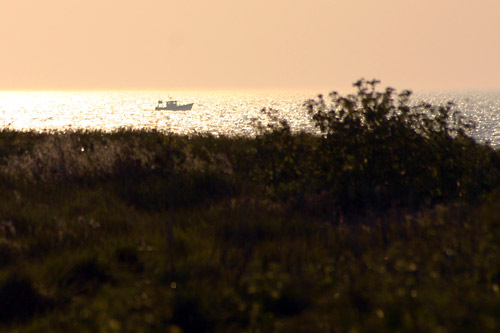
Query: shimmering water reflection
[
  {"x": 226, "y": 112},
  {"x": 216, "y": 112},
  {"x": 482, "y": 107}
]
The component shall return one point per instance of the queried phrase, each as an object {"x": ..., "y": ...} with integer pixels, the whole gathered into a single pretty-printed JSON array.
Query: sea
[{"x": 215, "y": 112}]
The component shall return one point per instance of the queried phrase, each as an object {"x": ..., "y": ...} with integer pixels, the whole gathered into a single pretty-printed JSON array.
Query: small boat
[{"x": 172, "y": 105}]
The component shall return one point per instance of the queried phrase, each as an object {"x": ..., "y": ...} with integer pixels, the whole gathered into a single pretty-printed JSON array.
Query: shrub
[
  {"x": 375, "y": 150},
  {"x": 282, "y": 160},
  {"x": 379, "y": 149}
]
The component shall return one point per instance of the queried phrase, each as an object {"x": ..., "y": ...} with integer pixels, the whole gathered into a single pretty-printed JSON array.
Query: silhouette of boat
[{"x": 172, "y": 105}]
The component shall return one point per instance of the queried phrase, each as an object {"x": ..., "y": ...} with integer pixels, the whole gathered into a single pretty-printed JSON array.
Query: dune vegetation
[{"x": 385, "y": 219}]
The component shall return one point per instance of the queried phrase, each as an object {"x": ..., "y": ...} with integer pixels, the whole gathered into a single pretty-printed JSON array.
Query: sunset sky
[{"x": 258, "y": 44}]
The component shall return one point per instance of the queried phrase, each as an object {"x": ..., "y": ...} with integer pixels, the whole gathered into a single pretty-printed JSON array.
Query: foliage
[{"x": 376, "y": 150}]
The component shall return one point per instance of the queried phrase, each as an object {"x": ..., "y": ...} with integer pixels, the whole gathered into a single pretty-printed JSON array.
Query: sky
[{"x": 257, "y": 44}]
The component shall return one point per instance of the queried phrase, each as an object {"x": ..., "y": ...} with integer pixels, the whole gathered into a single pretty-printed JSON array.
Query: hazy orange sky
[{"x": 286, "y": 44}]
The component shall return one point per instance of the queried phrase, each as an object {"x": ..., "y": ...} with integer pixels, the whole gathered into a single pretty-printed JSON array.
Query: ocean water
[
  {"x": 216, "y": 112},
  {"x": 482, "y": 107}
]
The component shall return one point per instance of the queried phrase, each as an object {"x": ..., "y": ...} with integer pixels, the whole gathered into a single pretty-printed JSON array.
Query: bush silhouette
[{"x": 374, "y": 151}]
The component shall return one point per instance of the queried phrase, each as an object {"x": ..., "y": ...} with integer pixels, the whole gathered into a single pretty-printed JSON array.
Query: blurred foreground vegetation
[{"x": 386, "y": 219}]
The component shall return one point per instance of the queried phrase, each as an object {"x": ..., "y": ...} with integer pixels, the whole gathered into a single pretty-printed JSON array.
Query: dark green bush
[
  {"x": 375, "y": 151},
  {"x": 378, "y": 150}
]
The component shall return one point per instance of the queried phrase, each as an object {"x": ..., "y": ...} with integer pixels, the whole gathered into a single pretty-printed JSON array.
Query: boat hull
[{"x": 184, "y": 107}]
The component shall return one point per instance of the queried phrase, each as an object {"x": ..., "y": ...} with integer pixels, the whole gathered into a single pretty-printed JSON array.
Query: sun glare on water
[{"x": 216, "y": 112}]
